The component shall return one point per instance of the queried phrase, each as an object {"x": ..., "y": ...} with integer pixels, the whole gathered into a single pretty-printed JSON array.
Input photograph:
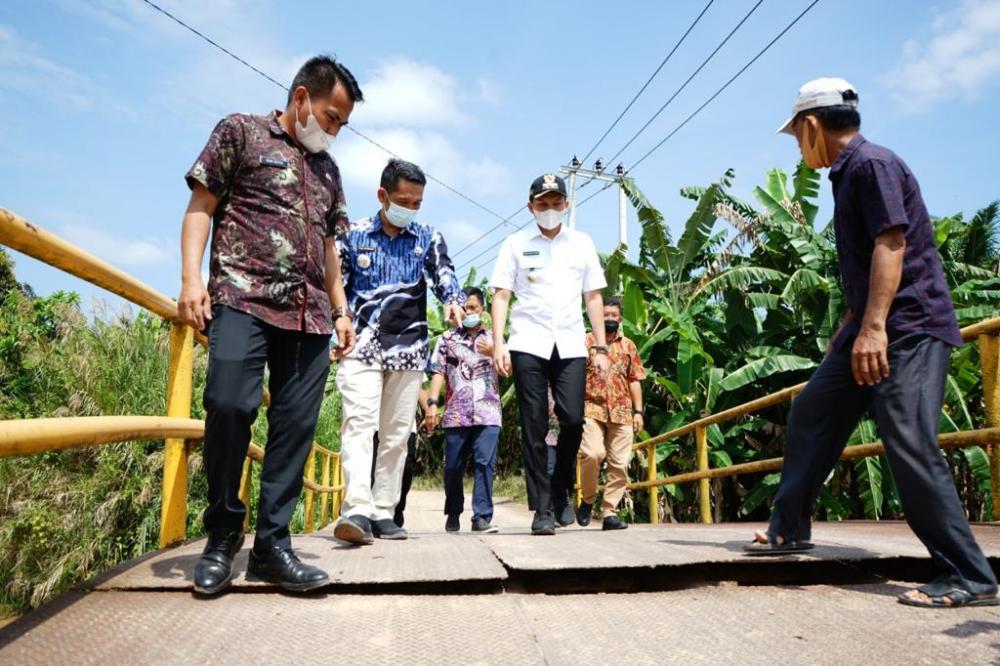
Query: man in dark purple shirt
[
  {"x": 890, "y": 354},
  {"x": 270, "y": 193}
]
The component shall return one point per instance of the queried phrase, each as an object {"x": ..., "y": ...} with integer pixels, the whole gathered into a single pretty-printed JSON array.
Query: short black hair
[
  {"x": 614, "y": 300},
  {"x": 840, "y": 118},
  {"x": 321, "y": 74},
  {"x": 396, "y": 169},
  {"x": 477, "y": 292}
]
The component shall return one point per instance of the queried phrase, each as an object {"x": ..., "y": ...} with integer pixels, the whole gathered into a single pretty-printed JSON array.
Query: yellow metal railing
[
  {"x": 985, "y": 332},
  {"x": 177, "y": 428}
]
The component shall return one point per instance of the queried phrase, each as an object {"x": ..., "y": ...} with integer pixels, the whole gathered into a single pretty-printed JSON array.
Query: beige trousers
[
  {"x": 601, "y": 441},
  {"x": 374, "y": 400}
]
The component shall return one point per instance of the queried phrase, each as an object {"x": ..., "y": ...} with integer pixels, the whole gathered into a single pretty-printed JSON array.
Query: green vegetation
[
  {"x": 720, "y": 316},
  {"x": 724, "y": 316}
]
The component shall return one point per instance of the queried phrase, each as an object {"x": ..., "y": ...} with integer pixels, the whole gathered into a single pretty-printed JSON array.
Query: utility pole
[{"x": 574, "y": 168}]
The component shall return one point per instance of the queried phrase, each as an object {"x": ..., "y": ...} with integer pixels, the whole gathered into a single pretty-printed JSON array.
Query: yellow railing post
[
  {"x": 704, "y": 487},
  {"x": 338, "y": 480},
  {"x": 310, "y": 476},
  {"x": 579, "y": 483},
  {"x": 324, "y": 497},
  {"x": 654, "y": 491},
  {"x": 245, "y": 491},
  {"x": 173, "y": 506},
  {"x": 989, "y": 357}
]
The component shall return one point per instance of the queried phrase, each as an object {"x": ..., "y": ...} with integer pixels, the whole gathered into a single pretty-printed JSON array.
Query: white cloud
[
  {"x": 962, "y": 59},
  {"x": 25, "y": 71},
  {"x": 412, "y": 94},
  {"x": 489, "y": 92},
  {"x": 362, "y": 163},
  {"x": 119, "y": 251}
]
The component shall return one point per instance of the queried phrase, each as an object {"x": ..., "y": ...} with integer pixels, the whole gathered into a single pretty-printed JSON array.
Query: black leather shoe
[
  {"x": 452, "y": 524},
  {"x": 354, "y": 529},
  {"x": 283, "y": 567},
  {"x": 214, "y": 570},
  {"x": 388, "y": 529},
  {"x": 584, "y": 513},
  {"x": 613, "y": 522},
  {"x": 543, "y": 524}
]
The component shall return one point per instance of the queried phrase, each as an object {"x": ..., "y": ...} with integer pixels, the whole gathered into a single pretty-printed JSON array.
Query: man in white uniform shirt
[{"x": 548, "y": 266}]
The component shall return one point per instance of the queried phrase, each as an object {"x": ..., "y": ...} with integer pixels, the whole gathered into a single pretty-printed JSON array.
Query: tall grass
[{"x": 66, "y": 515}]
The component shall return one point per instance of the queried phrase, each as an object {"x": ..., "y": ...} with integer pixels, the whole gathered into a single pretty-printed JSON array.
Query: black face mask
[{"x": 610, "y": 326}]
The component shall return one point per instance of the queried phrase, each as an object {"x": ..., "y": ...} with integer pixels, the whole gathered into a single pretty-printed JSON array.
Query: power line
[
  {"x": 725, "y": 85},
  {"x": 285, "y": 88},
  {"x": 489, "y": 231},
  {"x": 689, "y": 79},
  {"x": 498, "y": 243},
  {"x": 648, "y": 81}
]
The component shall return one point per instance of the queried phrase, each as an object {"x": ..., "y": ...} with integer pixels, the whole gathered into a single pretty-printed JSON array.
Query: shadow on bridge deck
[{"x": 151, "y": 595}]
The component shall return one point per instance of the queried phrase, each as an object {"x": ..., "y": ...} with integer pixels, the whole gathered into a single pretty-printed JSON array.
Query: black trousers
[
  {"x": 404, "y": 489},
  {"x": 906, "y": 407},
  {"x": 239, "y": 347},
  {"x": 532, "y": 378}
]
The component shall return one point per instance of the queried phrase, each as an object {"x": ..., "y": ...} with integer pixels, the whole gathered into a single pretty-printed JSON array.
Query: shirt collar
[
  {"x": 536, "y": 232},
  {"x": 845, "y": 154},
  {"x": 376, "y": 226},
  {"x": 465, "y": 333},
  {"x": 274, "y": 125}
]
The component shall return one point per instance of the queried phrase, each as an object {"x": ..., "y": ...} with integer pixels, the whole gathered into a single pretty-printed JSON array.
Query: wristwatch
[
  {"x": 341, "y": 311},
  {"x": 600, "y": 349},
  {"x": 433, "y": 402}
]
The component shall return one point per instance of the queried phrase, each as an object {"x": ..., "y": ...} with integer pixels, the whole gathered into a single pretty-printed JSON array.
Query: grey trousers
[{"x": 907, "y": 407}]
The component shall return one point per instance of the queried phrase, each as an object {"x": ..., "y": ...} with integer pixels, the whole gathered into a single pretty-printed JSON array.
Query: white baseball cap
[{"x": 819, "y": 93}]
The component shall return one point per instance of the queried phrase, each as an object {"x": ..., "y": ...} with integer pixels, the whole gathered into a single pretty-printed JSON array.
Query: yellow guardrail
[
  {"x": 985, "y": 332},
  {"x": 177, "y": 428}
]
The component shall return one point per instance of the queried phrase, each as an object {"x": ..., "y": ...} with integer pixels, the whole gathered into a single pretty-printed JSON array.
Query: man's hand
[
  {"x": 194, "y": 307},
  {"x": 484, "y": 347},
  {"x": 601, "y": 362},
  {"x": 431, "y": 419},
  {"x": 454, "y": 314},
  {"x": 637, "y": 423},
  {"x": 501, "y": 359},
  {"x": 345, "y": 335},
  {"x": 869, "y": 357}
]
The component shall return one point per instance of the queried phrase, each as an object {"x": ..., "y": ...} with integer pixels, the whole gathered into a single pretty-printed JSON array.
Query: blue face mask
[
  {"x": 471, "y": 321},
  {"x": 399, "y": 216}
]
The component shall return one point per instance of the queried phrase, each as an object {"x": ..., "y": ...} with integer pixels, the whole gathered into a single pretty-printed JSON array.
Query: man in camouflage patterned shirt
[{"x": 275, "y": 197}]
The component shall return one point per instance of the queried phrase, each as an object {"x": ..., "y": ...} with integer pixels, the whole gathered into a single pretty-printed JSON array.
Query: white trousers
[{"x": 374, "y": 400}]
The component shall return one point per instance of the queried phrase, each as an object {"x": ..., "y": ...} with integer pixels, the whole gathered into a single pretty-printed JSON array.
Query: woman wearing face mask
[{"x": 548, "y": 267}]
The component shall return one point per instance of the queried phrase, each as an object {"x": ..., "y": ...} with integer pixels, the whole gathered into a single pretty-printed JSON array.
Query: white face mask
[
  {"x": 399, "y": 216},
  {"x": 548, "y": 219},
  {"x": 312, "y": 137}
]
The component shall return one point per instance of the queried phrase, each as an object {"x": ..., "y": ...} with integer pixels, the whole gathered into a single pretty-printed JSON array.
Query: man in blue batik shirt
[{"x": 387, "y": 262}]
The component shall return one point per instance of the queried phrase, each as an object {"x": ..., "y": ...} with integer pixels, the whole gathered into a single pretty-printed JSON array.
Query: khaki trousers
[
  {"x": 611, "y": 441},
  {"x": 375, "y": 401}
]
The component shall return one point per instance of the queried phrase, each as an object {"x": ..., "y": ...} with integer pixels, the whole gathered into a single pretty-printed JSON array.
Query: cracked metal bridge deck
[{"x": 660, "y": 594}]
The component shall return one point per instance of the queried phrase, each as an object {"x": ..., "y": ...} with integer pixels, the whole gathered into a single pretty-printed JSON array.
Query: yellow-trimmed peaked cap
[
  {"x": 545, "y": 184},
  {"x": 817, "y": 94}
]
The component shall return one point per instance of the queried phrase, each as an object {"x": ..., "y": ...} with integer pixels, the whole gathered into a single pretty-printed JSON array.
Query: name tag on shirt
[
  {"x": 274, "y": 162},
  {"x": 532, "y": 259}
]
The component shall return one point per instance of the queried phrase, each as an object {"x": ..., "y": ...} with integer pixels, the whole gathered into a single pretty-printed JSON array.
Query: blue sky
[{"x": 106, "y": 103}]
